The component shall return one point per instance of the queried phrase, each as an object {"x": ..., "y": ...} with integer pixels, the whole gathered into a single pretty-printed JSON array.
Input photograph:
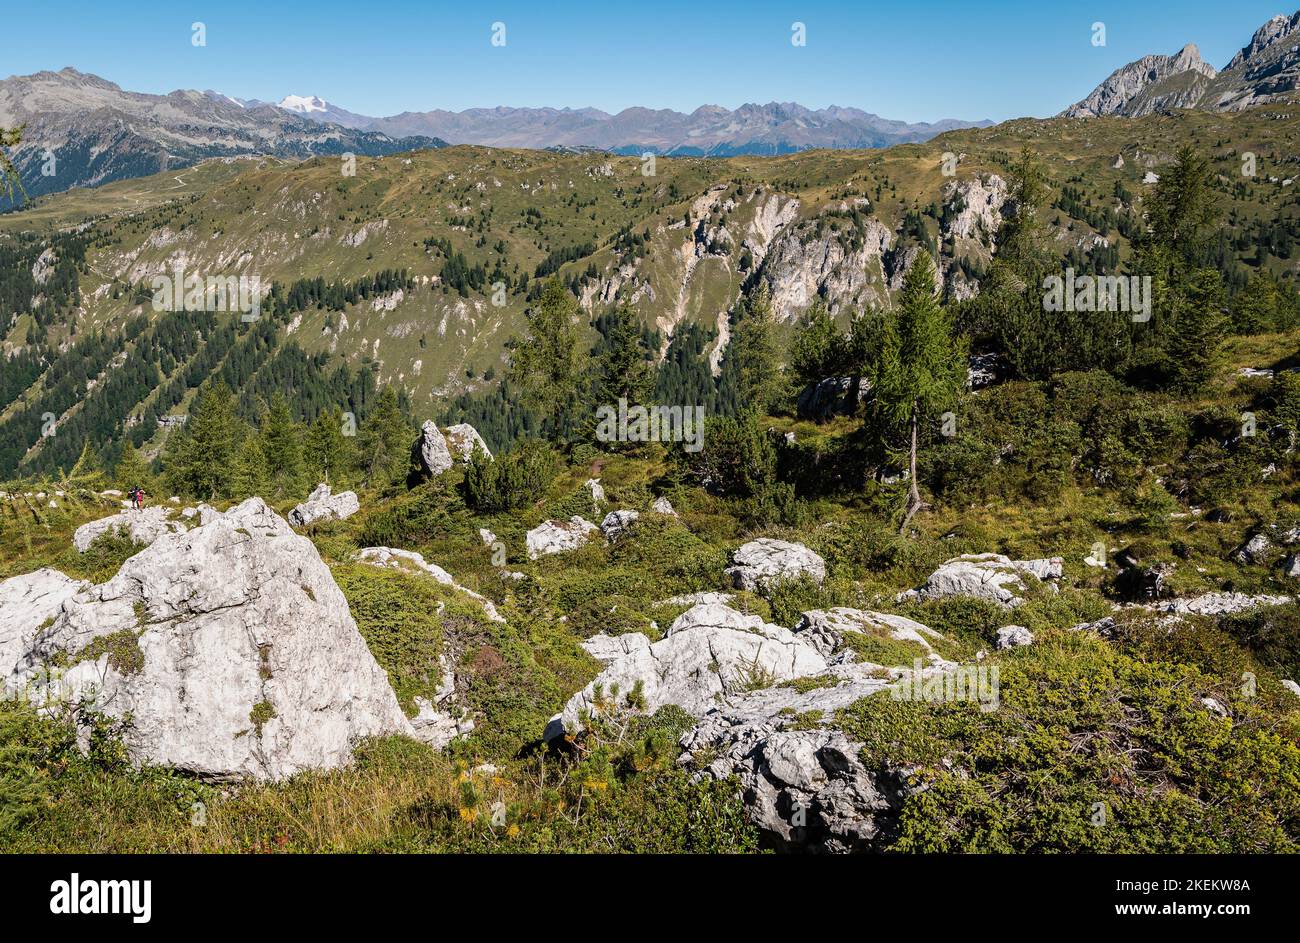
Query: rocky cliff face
[
  {"x": 1266, "y": 70},
  {"x": 1152, "y": 83},
  {"x": 840, "y": 260}
]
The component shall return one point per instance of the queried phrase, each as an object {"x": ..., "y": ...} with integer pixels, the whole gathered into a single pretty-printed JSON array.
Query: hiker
[{"x": 137, "y": 498}]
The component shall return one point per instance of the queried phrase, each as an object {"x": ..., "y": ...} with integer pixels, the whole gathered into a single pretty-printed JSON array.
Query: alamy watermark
[
  {"x": 181, "y": 292},
  {"x": 651, "y": 424},
  {"x": 1130, "y": 294},
  {"x": 979, "y": 683}
]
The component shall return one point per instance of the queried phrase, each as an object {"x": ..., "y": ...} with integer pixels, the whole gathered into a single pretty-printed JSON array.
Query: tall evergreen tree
[
  {"x": 752, "y": 360},
  {"x": 621, "y": 367},
  {"x": 133, "y": 471},
  {"x": 546, "y": 364},
  {"x": 384, "y": 442},
  {"x": 281, "y": 442},
  {"x": 817, "y": 349},
  {"x": 249, "y": 478},
  {"x": 327, "y": 452},
  {"x": 199, "y": 459},
  {"x": 921, "y": 367}
]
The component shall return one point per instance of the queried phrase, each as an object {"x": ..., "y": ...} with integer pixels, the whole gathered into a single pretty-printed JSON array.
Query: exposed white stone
[
  {"x": 762, "y": 563},
  {"x": 1217, "y": 604},
  {"x": 709, "y": 652},
  {"x": 321, "y": 505},
  {"x": 486, "y": 536},
  {"x": 607, "y": 648},
  {"x": 1010, "y": 636},
  {"x": 463, "y": 439},
  {"x": 558, "y": 536},
  {"x": 597, "y": 493},
  {"x": 434, "y": 450},
  {"x": 144, "y": 526},
  {"x": 990, "y": 576},
  {"x": 616, "y": 524},
  {"x": 27, "y": 603},
  {"x": 241, "y": 656},
  {"x": 662, "y": 505}
]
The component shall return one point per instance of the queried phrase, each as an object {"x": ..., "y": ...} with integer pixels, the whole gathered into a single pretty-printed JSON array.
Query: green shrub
[{"x": 512, "y": 480}]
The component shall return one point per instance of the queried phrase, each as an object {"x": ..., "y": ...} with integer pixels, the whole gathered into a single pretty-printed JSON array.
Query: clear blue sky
[{"x": 914, "y": 61}]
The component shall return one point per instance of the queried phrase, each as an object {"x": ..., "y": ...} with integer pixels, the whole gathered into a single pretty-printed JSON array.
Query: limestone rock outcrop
[
  {"x": 229, "y": 646},
  {"x": 144, "y": 526},
  {"x": 762, "y": 563},
  {"x": 558, "y": 536},
  {"x": 322, "y": 505}
]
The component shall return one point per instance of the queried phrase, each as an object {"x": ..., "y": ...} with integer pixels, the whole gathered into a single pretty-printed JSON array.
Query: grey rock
[
  {"x": 617, "y": 523},
  {"x": 662, "y": 505},
  {"x": 834, "y": 396},
  {"x": 608, "y": 648},
  {"x": 990, "y": 576},
  {"x": 322, "y": 505},
  {"x": 1010, "y": 636},
  {"x": 558, "y": 536},
  {"x": 412, "y": 562},
  {"x": 762, "y": 563},
  {"x": 434, "y": 450},
  {"x": 463, "y": 439},
  {"x": 238, "y": 654},
  {"x": 143, "y": 526}
]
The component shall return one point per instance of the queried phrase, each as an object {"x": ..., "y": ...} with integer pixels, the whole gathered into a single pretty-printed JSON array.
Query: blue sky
[{"x": 913, "y": 61}]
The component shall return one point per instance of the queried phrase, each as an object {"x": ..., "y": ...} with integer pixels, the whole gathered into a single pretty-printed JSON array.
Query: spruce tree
[
  {"x": 384, "y": 442},
  {"x": 922, "y": 366},
  {"x": 132, "y": 470},
  {"x": 817, "y": 350},
  {"x": 546, "y": 365},
  {"x": 249, "y": 478},
  {"x": 752, "y": 355},
  {"x": 621, "y": 368},
  {"x": 199, "y": 459},
  {"x": 281, "y": 442},
  {"x": 327, "y": 452}
]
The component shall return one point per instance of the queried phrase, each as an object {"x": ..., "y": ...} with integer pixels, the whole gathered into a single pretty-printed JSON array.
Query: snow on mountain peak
[{"x": 303, "y": 105}]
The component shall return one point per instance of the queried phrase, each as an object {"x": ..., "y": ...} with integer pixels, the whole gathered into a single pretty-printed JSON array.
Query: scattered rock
[
  {"x": 1217, "y": 604},
  {"x": 486, "y": 536},
  {"x": 616, "y": 524},
  {"x": 143, "y": 526},
  {"x": 1253, "y": 550},
  {"x": 321, "y": 505},
  {"x": 434, "y": 450},
  {"x": 597, "y": 493},
  {"x": 463, "y": 439},
  {"x": 834, "y": 396},
  {"x": 990, "y": 576},
  {"x": 662, "y": 505},
  {"x": 1010, "y": 636},
  {"x": 762, "y": 563},
  {"x": 558, "y": 536},
  {"x": 1291, "y": 686},
  {"x": 708, "y": 652}
]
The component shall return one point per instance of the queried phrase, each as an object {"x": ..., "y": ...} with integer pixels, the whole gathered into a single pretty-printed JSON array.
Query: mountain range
[{"x": 1265, "y": 71}]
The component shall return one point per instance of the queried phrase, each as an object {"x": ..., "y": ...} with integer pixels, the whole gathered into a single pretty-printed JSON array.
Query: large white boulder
[
  {"x": 825, "y": 630},
  {"x": 762, "y": 563},
  {"x": 144, "y": 526},
  {"x": 434, "y": 450},
  {"x": 709, "y": 652},
  {"x": 558, "y": 536},
  {"x": 27, "y": 604},
  {"x": 321, "y": 505},
  {"x": 230, "y": 649},
  {"x": 463, "y": 439},
  {"x": 990, "y": 576}
]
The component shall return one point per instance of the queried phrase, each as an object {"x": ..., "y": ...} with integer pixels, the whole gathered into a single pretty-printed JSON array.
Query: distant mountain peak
[
  {"x": 304, "y": 104},
  {"x": 1266, "y": 70}
]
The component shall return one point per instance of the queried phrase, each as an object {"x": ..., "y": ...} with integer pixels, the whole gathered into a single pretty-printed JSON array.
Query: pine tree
[
  {"x": 133, "y": 471},
  {"x": 327, "y": 452},
  {"x": 384, "y": 442},
  {"x": 621, "y": 368},
  {"x": 752, "y": 354},
  {"x": 249, "y": 478},
  {"x": 921, "y": 366},
  {"x": 547, "y": 365},
  {"x": 281, "y": 442},
  {"x": 817, "y": 350},
  {"x": 199, "y": 460}
]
